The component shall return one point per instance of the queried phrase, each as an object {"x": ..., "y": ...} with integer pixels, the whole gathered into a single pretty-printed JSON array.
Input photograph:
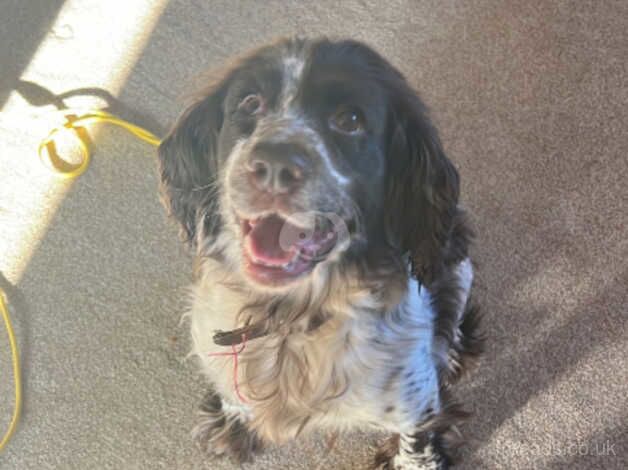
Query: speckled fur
[{"x": 373, "y": 363}]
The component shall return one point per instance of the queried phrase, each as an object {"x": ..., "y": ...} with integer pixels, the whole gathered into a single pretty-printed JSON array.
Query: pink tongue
[{"x": 264, "y": 240}]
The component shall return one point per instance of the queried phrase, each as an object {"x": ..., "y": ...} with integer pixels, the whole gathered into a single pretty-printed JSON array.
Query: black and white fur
[{"x": 376, "y": 331}]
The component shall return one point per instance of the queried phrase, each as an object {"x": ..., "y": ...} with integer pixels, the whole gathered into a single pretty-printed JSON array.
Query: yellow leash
[
  {"x": 74, "y": 124},
  {"x": 16, "y": 372}
]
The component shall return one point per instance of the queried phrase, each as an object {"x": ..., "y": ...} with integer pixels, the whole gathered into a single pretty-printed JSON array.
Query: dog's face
[
  {"x": 304, "y": 155},
  {"x": 302, "y": 144}
]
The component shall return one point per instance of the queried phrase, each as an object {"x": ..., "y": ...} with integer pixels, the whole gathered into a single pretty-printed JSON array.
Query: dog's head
[{"x": 303, "y": 155}]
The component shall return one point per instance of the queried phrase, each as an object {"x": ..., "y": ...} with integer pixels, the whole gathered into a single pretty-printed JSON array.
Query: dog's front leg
[
  {"x": 420, "y": 422},
  {"x": 222, "y": 429}
]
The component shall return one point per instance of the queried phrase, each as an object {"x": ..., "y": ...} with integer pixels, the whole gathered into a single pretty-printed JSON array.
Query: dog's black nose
[{"x": 278, "y": 168}]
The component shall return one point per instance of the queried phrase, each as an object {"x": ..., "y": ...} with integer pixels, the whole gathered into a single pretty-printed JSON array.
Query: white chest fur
[{"x": 348, "y": 372}]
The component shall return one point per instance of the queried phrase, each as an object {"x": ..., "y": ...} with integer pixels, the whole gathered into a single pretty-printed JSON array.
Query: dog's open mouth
[{"x": 277, "y": 250}]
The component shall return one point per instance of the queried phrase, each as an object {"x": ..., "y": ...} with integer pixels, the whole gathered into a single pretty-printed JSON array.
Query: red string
[{"x": 235, "y": 352}]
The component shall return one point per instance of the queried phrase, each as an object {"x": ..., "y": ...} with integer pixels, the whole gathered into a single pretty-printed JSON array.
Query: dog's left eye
[
  {"x": 252, "y": 104},
  {"x": 348, "y": 120}
]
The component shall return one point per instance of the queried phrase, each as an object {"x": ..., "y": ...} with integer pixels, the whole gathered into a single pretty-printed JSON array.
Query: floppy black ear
[
  {"x": 188, "y": 165},
  {"x": 422, "y": 212}
]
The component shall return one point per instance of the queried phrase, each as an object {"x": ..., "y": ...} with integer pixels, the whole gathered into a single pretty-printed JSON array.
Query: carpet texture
[{"x": 532, "y": 102}]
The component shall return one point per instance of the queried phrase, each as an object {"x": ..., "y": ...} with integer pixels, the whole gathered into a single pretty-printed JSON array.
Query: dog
[{"x": 332, "y": 270}]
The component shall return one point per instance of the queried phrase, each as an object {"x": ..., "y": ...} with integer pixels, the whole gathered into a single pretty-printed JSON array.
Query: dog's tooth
[{"x": 290, "y": 264}]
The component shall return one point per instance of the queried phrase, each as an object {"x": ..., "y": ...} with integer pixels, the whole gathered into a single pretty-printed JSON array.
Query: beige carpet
[{"x": 532, "y": 101}]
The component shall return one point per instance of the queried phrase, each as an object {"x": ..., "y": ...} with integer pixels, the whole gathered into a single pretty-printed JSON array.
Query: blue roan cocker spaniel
[{"x": 331, "y": 253}]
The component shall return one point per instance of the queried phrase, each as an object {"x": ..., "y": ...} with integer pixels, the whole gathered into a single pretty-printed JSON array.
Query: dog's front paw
[
  {"x": 394, "y": 456},
  {"x": 219, "y": 432}
]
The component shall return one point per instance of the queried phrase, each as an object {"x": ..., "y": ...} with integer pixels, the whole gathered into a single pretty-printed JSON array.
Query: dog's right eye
[
  {"x": 252, "y": 104},
  {"x": 347, "y": 120}
]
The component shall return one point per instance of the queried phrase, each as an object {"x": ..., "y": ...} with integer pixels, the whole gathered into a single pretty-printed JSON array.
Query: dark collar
[{"x": 239, "y": 335}]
